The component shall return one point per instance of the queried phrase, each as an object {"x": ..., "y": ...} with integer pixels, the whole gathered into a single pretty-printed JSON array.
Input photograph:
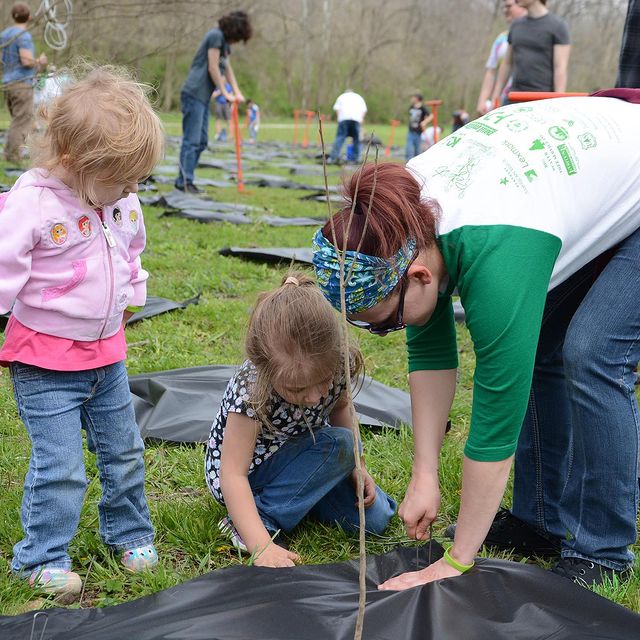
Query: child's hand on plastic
[
  {"x": 369, "y": 486},
  {"x": 275, "y": 556},
  {"x": 435, "y": 571}
]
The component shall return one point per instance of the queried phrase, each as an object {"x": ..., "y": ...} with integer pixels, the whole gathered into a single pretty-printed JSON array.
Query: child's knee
[{"x": 341, "y": 448}]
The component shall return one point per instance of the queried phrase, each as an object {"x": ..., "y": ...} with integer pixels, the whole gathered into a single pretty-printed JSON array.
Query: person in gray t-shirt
[
  {"x": 538, "y": 52},
  {"x": 210, "y": 65}
]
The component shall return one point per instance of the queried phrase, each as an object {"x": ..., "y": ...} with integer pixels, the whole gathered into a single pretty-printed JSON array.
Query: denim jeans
[
  {"x": 195, "y": 136},
  {"x": 414, "y": 145},
  {"x": 306, "y": 477},
  {"x": 55, "y": 406},
  {"x": 346, "y": 129},
  {"x": 576, "y": 467}
]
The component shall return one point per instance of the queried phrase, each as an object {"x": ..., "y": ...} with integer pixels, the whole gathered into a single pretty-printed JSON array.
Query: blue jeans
[
  {"x": 195, "y": 137},
  {"x": 346, "y": 129},
  {"x": 414, "y": 145},
  {"x": 306, "y": 477},
  {"x": 576, "y": 467},
  {"x": 55, "y": 406}
]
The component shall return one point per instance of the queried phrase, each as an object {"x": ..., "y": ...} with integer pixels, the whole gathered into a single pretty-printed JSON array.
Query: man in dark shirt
[
  {"x": 209, "y": 65},
  {"x": 538, "y": 52},
  {"x": 419, "y": 118},
  {"x": 629, "y": 67}
]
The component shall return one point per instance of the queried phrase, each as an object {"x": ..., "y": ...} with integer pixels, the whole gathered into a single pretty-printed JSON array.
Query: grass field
[{"x": 182, "y": 257}]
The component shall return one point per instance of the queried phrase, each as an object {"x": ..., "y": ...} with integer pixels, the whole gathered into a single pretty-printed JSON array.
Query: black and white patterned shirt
[{"x": 290, "y": 420}]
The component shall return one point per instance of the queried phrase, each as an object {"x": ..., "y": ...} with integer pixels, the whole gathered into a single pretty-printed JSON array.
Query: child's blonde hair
[
  {"x": 101, "y": 128},
  {"x": 292, "y": 329}
]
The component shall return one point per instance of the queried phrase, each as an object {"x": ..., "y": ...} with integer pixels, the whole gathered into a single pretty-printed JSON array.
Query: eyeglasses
[{"x": 386, "y": 327}]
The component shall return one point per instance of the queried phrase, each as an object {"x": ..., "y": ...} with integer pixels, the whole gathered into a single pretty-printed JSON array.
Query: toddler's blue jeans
[
  {"x": 55, "y": 406},
  {"x": 314, "y": 477}
]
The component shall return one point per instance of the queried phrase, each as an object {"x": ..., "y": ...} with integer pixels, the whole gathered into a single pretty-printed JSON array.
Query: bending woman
[{"x": 532, "y": 212}]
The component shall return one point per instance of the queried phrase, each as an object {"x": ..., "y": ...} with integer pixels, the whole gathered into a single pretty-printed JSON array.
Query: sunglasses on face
[{"x": 383, "y": 328}]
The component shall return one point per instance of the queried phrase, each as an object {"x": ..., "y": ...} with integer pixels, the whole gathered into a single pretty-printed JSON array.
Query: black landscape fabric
[
  {"x": 272, "y": 255},
  {"x": 155, "y": 306},
  {"x": 496, "y": 600},
  {"x": 179, "y": 405}
]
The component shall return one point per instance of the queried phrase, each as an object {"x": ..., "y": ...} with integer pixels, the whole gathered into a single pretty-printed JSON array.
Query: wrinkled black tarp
[
  {"x": 497, "y": 600},
  {"x": 155, "y": 306},
  {"x": 179, "y": 405},
  {"x": 272, "y": 255}
]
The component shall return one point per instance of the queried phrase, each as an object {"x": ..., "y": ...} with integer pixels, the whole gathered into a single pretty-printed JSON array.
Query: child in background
[
  {"x": 428, "y": 136},
  {"x": 70, "y": 260},
  {"x": 281, "y": 446},
  {"x": 460, "y": 119},
  {"x": 253, "y": 111}
]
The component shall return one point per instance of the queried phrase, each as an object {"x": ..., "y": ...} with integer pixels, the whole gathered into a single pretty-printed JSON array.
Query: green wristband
[{"x": 458, "y": 566}]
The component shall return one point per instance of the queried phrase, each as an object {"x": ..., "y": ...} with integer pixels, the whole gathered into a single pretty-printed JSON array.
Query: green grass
[{"x": 182, "y": 258}]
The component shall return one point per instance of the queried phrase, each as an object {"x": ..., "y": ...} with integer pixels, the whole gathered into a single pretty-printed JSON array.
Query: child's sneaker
[
  {"x": 65, "y": 584},
  {"x": 226, "y": 527},
  {"x": 140, "y": 558}
]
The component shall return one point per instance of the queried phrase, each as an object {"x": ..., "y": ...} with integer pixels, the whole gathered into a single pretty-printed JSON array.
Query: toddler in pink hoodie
[{"x": 72, "y": 235}]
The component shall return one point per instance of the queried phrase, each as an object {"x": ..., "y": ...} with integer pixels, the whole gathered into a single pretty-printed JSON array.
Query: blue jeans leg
[
  {"x": 195, "y": 132},
  {"x": 354, "y": 132},
  {"x": 340, "y": 506},
  {"x": 54, "y": 406},
  {"x": 341, "y": 136},
  {"x": 414, "y": 144},
  {"x": 293, "y": 480},
  {"x": 588, "y": 406}
]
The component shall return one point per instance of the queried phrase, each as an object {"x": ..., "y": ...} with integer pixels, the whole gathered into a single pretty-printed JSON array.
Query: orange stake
[
  {"x": 394, "y": 124},
  {"x": 305, "y": 137},
  {"x": 296, "y": 117},
  {"x": 236, "y": 129},
  {"x": 434, "y": 104},
  {"x": 527, "y": 96}
]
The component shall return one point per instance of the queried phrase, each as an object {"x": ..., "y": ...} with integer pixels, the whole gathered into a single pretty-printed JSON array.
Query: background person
[
  {"x": 222, "y": 113},
  {"x": 210, "y": 64},
  {"x": 350, "y": 109},
  {"x": 538, "y": 52},
  {"x": 511, "y": 11},
  {"x": 551, "y": 306},
  {"x": 253, "y": 110},
  {"x": 419, "y": 118},
  {"x": 19, "y": 66}
]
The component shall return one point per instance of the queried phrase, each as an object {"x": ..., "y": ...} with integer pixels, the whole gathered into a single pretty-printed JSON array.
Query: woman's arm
[
  {"x": 235, "y": 458},
  {"x": 503, "y": 75}
]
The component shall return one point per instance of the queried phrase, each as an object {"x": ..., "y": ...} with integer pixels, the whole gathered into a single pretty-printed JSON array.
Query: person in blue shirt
[
  {"x": 253, "y": 111},
  {"x": 209, "y": 65},
  {"x": 19, "y": 66}
]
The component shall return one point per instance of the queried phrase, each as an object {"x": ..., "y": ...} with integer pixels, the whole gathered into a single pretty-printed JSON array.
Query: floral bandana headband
[{"x": 372, "y": 278}]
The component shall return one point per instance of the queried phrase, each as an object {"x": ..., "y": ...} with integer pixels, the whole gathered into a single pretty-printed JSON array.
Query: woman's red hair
[{"x": 397, "y": 212}]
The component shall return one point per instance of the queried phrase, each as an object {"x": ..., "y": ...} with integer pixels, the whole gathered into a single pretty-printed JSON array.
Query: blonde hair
[
  {"x": 293, "y": 328},
  {"x": 103, "y": 129}
]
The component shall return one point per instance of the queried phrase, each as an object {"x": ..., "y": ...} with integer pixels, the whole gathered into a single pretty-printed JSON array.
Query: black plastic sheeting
[
  {"x": 155, "y": 306},
  {"x": 180, "y": 405},
  {"x": 272, "y": 255},
  {"x": 497, "y": 600}
]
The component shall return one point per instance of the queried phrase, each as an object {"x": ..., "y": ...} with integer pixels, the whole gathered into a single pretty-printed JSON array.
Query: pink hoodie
[{"x": 70, "y": 274}]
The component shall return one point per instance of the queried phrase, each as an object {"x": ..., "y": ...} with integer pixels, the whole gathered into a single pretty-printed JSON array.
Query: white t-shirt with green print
[{"x": 529, "y": 194}]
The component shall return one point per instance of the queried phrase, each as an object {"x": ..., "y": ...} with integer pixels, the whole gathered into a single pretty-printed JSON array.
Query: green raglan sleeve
[
  {"x": 504, "y": 274},
  {"x": 433, "y": 346}
]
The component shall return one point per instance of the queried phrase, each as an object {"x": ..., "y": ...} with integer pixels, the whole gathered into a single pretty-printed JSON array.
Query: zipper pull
[{"x": 111, "y": 241}]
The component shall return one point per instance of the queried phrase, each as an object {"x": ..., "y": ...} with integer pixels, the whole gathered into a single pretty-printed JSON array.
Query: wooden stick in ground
[{"x": 347, "y": 369}]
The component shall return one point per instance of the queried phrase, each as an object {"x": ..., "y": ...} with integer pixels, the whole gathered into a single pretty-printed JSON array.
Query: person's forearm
[
  {"x": 501, "y": 81},
  {"x": 483, "y": 486},
  {"x": 485, "y": 90},
  {"x": 432, "y": 394},
  {"x": 560, "y": 78},
  {"x": 231, "y": 77},
  {"x": 217, "y": 78},
  {"x": 243, "y": 512}
]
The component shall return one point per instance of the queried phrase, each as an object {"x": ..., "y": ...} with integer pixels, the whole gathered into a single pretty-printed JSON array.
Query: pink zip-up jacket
[{"x": 70, "y": 273}]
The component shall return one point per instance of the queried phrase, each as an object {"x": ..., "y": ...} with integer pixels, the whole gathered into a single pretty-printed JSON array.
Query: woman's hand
[
  {"x": 435, "y": 571},
  {"x": 420, "y": 506},
  {"x": 275, "y": 556},
  {"x": 369, "y": 486}
]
